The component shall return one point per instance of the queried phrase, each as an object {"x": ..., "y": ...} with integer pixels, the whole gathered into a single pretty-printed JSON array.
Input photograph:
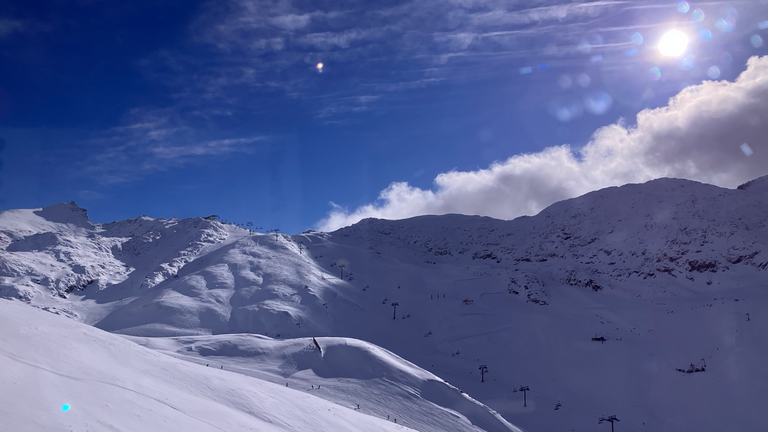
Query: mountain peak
[
  {"x": 68, "y": 213},
  {"x": 759, "y": 184}
]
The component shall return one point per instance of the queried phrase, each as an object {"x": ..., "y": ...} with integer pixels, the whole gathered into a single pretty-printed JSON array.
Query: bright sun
[{"x": 673, "y": 43}]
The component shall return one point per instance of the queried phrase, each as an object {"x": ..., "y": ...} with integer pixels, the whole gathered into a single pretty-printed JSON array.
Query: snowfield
[
  {"x": 663, "y": 274},
  {"x": 111, "y": 384},
  {"x": 348, "y": 372}
]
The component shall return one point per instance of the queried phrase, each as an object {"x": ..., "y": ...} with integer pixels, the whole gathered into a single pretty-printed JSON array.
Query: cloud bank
[{"x": 697, "y": 136}]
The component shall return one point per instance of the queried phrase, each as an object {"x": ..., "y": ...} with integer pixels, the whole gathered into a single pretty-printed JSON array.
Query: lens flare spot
[
  {"x": 319, "y": 67},
  {"x": 746, "y": 149},
  {"x": 725, "y": 25},
  {"x": 705, "y": 34},
  {"x": 565, "y": 82},
  {"x": 727, "y": 58},
  {"x": 687, "y": 63},
  {"x": 568, "y": 111},
  {"x": 526, "y": 70},
  {"x": 648, "y": 93},
  {"x": 636, "y": 38},
  {"x": 713, "y": 72},
  {"x": 757, "y": 41},
  {"x": 585, "y": 47},
  {"x": 655, "y": 73},
  {"x": 630, "y": 52},
  {"x": 699, "y": 15},
  {"x": 673, "y": 43},
  {"x": 598, "y": 103},
  {"x": 66, "y": 407},
  {"x": 584, "y": 80},
  {"x": 565, "y": 114},
  {"x": 597, "y": 58},
  {"x": 763, "y": 25},
  {"x": 683, "y": 7}
]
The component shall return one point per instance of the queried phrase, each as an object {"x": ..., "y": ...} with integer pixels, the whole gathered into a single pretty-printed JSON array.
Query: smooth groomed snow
[{"x": 49, "y": 363}]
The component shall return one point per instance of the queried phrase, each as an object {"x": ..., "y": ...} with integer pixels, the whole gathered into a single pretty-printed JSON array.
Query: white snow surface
[
  {"x": 111, "y": 384},
  {"x": 348, "y": 372},
  {"x": 670, "y": 272}
]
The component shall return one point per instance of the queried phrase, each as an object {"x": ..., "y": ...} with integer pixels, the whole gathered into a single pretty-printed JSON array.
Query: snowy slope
[
  {"x": 666, "y": 271},
  {"x": 348, "y": 372},
  {"x": 55, "y": 251},
  {"x": 111, "y": 384},
  {"x": 667, "y": 232}
]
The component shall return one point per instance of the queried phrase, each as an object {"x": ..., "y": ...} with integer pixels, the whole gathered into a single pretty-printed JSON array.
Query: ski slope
[
  {"x": 111, "y": 384},
  {"x": 348, "y": 372}
]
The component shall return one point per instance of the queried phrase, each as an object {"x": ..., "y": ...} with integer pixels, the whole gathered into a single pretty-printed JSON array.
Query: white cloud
[
  {"x": 291, "y": 21},
  {"x": 156, "y": 140},
  {"x": 329, "y": 40},
  {"x": 348, "y": 104},
  {"x": 547, "y": 13},
  {"x": 407, "y": 85},
  {"x": 456, "y": 42},
  {"x": 208, "y": 148},
  {"x": 697, "y": 136}
]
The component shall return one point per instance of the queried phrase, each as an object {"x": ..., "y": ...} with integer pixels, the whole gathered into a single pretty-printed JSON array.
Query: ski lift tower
[
  {"x": 483, "y": 371},
  {"x": 394, "y": 313},
  {"x": 525, "y": 391},
  {"x": 610, "y": 419}
]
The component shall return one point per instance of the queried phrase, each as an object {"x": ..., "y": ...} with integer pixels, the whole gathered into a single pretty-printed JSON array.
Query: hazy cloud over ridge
[{"x": 697, "y": 136}]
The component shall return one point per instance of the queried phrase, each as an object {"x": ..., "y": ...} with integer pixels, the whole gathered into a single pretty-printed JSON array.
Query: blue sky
[{"x": 189, "y": 108}]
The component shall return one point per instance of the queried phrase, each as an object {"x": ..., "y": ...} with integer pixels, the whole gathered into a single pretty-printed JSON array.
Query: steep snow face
[
  {"x": 261, "y": 284},
  {"x": 55, "y": 251},
  {"x": 58, "y": 374},
  {"x": 66, "y": 213}
]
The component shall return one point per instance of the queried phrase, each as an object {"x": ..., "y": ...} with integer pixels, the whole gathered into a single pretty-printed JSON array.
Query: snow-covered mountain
[
  {"x": 665, "y": 271},
  {"x": 57, "y": 250}
]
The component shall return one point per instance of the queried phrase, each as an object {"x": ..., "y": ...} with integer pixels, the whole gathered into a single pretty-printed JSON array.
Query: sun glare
[{"x": 673, "y": 43}]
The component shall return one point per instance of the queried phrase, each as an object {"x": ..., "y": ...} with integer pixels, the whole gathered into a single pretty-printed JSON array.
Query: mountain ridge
[{"x": 666, "y": 272}]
